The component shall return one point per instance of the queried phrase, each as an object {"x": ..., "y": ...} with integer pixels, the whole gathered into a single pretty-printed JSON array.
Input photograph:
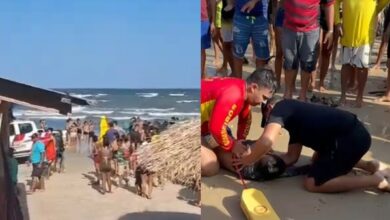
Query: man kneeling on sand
[
  {"x": 222, "y": 100},
  {"x": 338, "y": 138}
]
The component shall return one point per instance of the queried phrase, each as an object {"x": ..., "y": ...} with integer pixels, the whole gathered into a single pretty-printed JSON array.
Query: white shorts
[
  {"x": 356, "y": 56},
  {"x": 227, "y": 32}
]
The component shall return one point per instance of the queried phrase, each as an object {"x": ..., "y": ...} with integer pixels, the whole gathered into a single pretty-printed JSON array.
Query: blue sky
[{"x": 101, "y": 43}]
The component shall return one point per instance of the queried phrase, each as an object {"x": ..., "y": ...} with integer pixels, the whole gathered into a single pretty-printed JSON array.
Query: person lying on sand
[
  {"x": 222, "y": 100},
  {"x": 339, "y": 139}
]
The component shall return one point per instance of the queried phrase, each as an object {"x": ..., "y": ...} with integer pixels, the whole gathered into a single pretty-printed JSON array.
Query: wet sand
[{"x": 221, "y": 193}]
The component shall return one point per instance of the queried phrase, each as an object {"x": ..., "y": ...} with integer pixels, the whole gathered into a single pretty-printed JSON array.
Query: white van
[{"x": 20, "y": 137}]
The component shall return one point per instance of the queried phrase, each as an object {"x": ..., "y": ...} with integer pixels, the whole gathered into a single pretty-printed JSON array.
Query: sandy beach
[
  {"x": 71, "y": 196},
  {"x": 221, "y": 193}
]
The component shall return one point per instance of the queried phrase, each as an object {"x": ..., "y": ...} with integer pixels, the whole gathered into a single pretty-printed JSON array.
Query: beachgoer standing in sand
[
  {"x": 207, "y": 29},
  {"x": 250, "y": 22},
  {"x": 300, "y": 39},
  {"x": 222, "y": 100},
  {"x": 357, "y": 31},
  {"x": 36, "y": 159}
]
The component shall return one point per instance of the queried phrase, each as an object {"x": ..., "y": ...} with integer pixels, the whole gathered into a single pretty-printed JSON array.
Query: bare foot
[
  {"x": 352, "y": 89},
  {"x": 376, "y": 66},
  {"x": 383, "y": 99},
  {"x": 321, "y": 88},
  {"x": 222, "y": 71},
  {"x": 343, "y": 101},
  {"x": 384, "y": 184},
  {"x": 311, "y": 88},
  {"x": 358, "y": 103},
  {"x": 302, "y": 98},
  {"x": 373, "y": 166},
  {"x": 287, "y": 96}
]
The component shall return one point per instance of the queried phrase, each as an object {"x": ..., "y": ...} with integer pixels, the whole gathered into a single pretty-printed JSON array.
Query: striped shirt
[{"x": 303, "y": 15}]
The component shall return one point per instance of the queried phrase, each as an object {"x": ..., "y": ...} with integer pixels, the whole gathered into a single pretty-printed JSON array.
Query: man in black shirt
[{"x": 338, "y": 138}]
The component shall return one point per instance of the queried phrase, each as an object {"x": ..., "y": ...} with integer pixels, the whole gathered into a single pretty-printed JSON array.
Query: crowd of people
[
  {"x": 113, "y": 155},
  {"x": 300, "y": 35},
  {"x": 307, "y": 34},
  {"x": 115, "y": 159}
]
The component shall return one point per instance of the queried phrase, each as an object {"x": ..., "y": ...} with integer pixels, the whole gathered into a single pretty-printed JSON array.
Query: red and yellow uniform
[{"x": 222, "y": 99}]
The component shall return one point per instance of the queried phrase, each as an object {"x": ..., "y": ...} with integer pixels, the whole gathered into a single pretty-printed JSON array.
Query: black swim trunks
[{"x": 346, "y": 151}]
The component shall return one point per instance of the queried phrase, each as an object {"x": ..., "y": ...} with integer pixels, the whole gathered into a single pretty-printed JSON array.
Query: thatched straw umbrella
[{"x": 175, "y": 154}]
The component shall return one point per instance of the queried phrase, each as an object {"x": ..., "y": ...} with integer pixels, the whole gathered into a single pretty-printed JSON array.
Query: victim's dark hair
[{"x": 263, "y": 78}]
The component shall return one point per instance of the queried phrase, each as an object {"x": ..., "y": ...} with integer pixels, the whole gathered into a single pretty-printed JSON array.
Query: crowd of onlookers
[
  {"x": 301, "y": 35},
  {"x": 113, "y": 154}
]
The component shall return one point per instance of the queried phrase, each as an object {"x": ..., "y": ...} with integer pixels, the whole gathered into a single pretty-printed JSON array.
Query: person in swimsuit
[{"x": 105, "y": 157}]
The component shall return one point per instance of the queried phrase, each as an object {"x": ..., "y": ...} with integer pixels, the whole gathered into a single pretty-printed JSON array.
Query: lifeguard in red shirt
[{"x": 222, "y": 100}]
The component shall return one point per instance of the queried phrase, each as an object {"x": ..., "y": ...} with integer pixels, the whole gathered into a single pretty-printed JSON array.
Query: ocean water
[{"x": 121, "y": 105}]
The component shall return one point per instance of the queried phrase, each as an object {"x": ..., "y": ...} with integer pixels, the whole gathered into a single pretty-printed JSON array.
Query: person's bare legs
[
  {"x": 279, "y": 55},
  {"x": 104, "y": 181},
  {"x": 370, "y": 166},
  {"x": 334, "y": 50},
  {"x": 271, "y": 31},
  {"x": 346, "y": 71},
  {"x": 237, "y": 67},
  {"x": 260, "y": 63},
  {"x": 217, "y": 45},
  {"x": 144, "y": 184},
  {"x": 362, "y": 74},
  {"x": 150, "y": 186},
  {"x": 289, "y": 77},
  {"x": 386, "y": 97},
  {"x": 313, "y": 77},
  {"x": 209, "y": 162},
  {"x": 305, "y": 80},
  {"x": 42, "y": 183},
  {"x": 34, "y": 184},
  {"x": 347, "y": 183},
  {"x": 203, "y": 63},
  {"x": 382, "y": 47},
  {"x": 108, "y": 177},
  {"x": 325, "y": 58},
  {"x": 352, "y": 82},
  {"x": 227, "y": 56}
]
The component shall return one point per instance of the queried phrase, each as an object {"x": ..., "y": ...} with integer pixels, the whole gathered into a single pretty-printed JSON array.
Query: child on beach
[{"x": 121, "y": 163}]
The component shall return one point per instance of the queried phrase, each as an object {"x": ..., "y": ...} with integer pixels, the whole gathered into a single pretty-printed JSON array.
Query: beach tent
[
  {"x": 17, "y": 93},
  {"x": 103, "y": 127}
]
